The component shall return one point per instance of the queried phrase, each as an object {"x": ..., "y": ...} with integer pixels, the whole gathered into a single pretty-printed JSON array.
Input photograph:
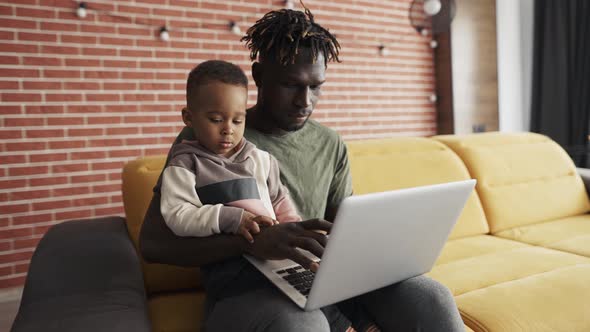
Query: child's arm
[
  {"x": 186, "y": 215},
  {"x": 283, "y": 207}
]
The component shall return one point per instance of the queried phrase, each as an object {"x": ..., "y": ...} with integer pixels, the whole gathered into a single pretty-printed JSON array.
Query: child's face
[{"x": 217, "y": 115}]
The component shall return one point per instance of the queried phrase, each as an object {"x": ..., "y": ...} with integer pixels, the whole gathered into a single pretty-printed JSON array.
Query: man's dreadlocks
[{"x": 280, "y": 34}]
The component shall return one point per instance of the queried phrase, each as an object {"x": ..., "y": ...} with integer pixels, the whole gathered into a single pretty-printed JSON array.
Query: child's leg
[{"x": 263, "y": 309}]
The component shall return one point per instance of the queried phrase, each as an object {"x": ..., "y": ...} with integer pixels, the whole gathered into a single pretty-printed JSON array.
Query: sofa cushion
[
  {"x": 139, "y": 178},
  {"x": 523, "y": 178},
  {"x": 177, "y": 312},
  {"x": 553, "y": 301},
  {"x": 571, "y": 234},
  {"x": 500, "y": 262},
  {"x": 396, "y": 163}
]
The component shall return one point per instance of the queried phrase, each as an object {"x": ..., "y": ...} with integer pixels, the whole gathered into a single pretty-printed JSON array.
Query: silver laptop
[{"x": 377, "y": 240}]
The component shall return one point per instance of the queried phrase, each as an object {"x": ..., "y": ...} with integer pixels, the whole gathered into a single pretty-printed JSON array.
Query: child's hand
[{"x": 249, "y": 225}]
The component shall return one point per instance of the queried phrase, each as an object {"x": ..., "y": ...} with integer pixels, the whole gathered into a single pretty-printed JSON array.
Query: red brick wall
[{"x": 80, "y": 97}]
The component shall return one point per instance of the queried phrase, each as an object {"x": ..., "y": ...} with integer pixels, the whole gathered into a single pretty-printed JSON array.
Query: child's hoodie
[{"x": 204, "y": 193}]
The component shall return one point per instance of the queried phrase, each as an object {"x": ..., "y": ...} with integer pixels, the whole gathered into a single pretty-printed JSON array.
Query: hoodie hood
[{"x": 194, "y": 147}]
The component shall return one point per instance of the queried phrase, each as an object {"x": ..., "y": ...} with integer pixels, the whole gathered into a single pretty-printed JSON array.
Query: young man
[{"x": 292, "y": 52}]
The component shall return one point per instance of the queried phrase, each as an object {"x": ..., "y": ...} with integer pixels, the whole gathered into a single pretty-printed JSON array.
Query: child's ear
[{"x": 186, "y": 117}]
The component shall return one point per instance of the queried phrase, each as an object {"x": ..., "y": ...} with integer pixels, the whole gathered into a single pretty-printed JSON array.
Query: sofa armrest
[
  {"x": 585, "y": 174},
  {"x": 85, "y": 275}
]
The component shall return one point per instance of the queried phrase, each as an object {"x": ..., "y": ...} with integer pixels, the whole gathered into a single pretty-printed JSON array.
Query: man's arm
[{"x": 159, "y": 245}]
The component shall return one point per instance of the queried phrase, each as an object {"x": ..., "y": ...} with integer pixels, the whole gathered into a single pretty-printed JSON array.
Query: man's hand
[
  {"x": 281, "y": 241},
  {"x": 249, "y": 225}
]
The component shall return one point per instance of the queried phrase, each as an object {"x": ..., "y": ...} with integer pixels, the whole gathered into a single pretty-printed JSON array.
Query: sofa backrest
[
  {"x": 139, "y": 178},
  {"x": 396, "y": 163},
  {"x": 523, "y": 178}
]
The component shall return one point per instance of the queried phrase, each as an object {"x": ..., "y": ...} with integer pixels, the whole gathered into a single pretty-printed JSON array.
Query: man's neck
[{"x": 256, "y": 119}]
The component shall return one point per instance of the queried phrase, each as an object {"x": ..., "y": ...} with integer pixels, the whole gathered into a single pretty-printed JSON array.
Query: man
[{"x": 292, "y": 52}]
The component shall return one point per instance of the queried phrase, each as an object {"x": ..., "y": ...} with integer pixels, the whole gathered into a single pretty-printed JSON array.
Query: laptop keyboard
[{"x": 298, "y": 277}]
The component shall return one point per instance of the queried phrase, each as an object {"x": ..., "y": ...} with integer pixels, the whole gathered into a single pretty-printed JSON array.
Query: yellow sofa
[{"x": 518, "y": 259}]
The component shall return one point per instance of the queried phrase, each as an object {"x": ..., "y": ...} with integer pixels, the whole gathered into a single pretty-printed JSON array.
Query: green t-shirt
[{"x": 313, "y": 162}]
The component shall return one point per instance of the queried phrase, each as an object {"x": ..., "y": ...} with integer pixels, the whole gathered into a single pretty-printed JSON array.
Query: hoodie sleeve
[
  {"x": 282, "y": 205},
  {"x": 183, "y": 211}
]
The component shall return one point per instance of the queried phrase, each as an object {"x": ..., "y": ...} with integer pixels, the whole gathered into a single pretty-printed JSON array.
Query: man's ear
[
  {"x": 186, "y": 117},
  {"x": 257, "y": 73}
]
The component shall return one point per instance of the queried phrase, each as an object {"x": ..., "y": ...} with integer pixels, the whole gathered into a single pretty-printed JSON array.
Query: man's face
[
  {"x": 217, "y": 116},
  {"x": 288, "y": 94}
]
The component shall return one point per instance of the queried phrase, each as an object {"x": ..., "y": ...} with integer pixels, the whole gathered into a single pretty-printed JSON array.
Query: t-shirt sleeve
[
  {"x": 282, "y": 205},
  {"x": 341, "y": 185}
]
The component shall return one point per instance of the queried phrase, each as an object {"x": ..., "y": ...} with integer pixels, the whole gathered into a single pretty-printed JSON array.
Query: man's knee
[
  {"x": 430, "y": 295},
  {"x": 299, "y": 321}
]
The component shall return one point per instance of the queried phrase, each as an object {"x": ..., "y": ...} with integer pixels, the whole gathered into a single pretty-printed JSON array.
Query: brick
[
  {"x": 65, "y": 121},
  {"x": 6, "y": 270},
  {"x": 10, "y": 134},
  {"x": 104, "y": 120},
  {"x": 69, "y": 168},
  {"x": 70, "y": 144},
  {"x": 82, "y": 63},
  {"x": 72, "y": 215},
  {"x": 71, "y": 191},
  {"x": 15, "y": 233},
  {"x": 17, "y": 24},
  {"x": 12, "y": 184},
  {"x": 124, "y": 153},
  {"x": 115, "y": 176},
  {"x": 81, "y": 86},
  {"x": 37, "y": 158},
  {"x": 171, "y": 97},
  {"x": 101, "y": 74},
  {"x": 139, "y": 141},
  {"x": 138, "y": 75},
  {"x": 43, "y": 109},
  {"x": 98, "y": 51},
  {"x": 51, "y": 205},
  {"x": 88, "y": 155},
  {"x": 12, "y": 159},
  {"x": 116, "y": 199},
  {"x": 133, "y": 9},
  {"x": 102, "y": 97},
  {"x": 109, "y": 211},
  {"x": 29, "y": 194},
  {"x": 105, "y": 142},
  {"x": 28, "y": 170},
  {"x": 24, "y": 268},
  {"x": 84, "y": 109},
  {"x": 88, "y": 178},
  {"x": 99, "y": 166},
  {"x": 119, "y": 86},
  {"x": 49, "y": 73},
  {"x": 5, "y": 245},
  {"x": 92, "y": 201},
  {"x": 26, "y": 146},
  {"x": 157, "y": 130},
  {"x": 5, "y": 85},
  {"x": 30, "y": 12},
  {"x": 31, "y": 219},
  {"x": 116, "y": 41},
  {"x": 12, "y": 282},
  {"x": 140, "y": 119},
  {"x": 139, "y": 97},
  {"x": 155, "y": 151},
  {"x": 6, "y": 72},
  {"x": 44, "y": 133},
  {"x": 6, "y": 35},
  {"x": 22, "y": 97},
  {"x": 122, "y": 108},
  {"x": 63, "y": 97},
  {"x": 51, "y": 181},
  {"x": 155, "y": 65},
  {"x": 61, "y": 26},
  {"x": 85, "y": 132},
  {"x": 60, "y": 49},
  {"x": 42, "y": 85},
  {"x": 42, "y": 37},
  {"x": 122, "y": 131},
  {"x": 8, "y": 60},
  {"x": 155, "y": 86},
  {"x": 78, "y": 39}
]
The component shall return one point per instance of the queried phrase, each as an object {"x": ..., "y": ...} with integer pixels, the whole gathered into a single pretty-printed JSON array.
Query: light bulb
[
  {"x": 433, "y": 44},
  {"x": 433, "y": 98},
  {"x": 424, "y": 32},
  {"x": 164, "y": 34},
  {"x": 81, "y": 11},
  {"x": 235, "y": 28},
  {"x": 432, "y": 7},
  {"x": 289, "y": 4},
  {"x": 383, "y": 51}
]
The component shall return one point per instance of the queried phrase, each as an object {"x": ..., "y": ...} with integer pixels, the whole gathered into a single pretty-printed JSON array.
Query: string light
[
  {"x": 81, "y": 11},
  {"x": 433, "y": 44},
  {"x": 289, "y": 4},
  {"x": 235, "y": 28},
  {"x": 383, "y": 51},
  {"x": 164, "y": 34}
]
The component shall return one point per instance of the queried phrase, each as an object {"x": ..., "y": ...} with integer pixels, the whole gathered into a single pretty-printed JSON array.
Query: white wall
[{"x": 514, "y": 28}]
